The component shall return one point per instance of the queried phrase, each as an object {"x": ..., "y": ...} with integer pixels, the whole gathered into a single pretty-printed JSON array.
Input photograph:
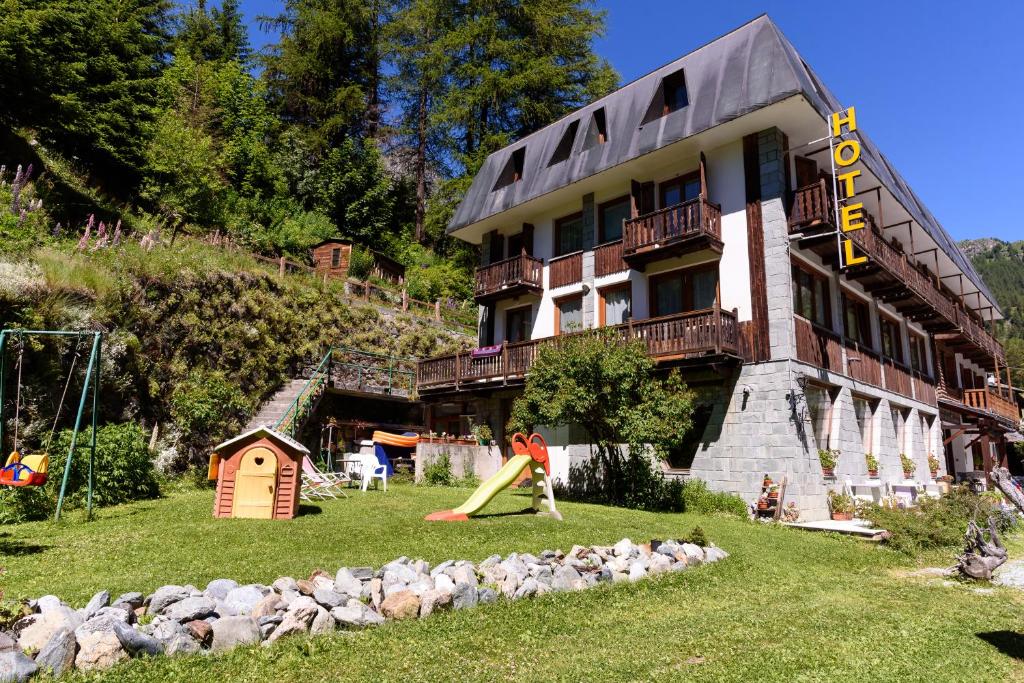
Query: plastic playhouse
[
  {"x": 259, "y": 475},
  {"x": 529, "y": 452}
]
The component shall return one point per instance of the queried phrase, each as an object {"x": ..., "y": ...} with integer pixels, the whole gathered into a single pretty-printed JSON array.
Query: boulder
[
  {"x": 191, "y": 608},
  {"x": 285, "y": 583},
  {"x": 356, "y": 615},
  {"x": 135, "y": 599},
  {"x": 624, "y": 548},
  {"x": 35, "y": 630},
  {"x": 510, "y": 585},
  {"x": 305, "y": 586},
  {"x": 401, "y": 605},
  {"x": 165, "y": 596},
  {"x": 302, "y": 602},
  {"x": 637, "y": 571},
  {"x": 322, "y": 623},
  {"x": 330, "y": 598},
  {"x": 136, "y": 643},
  {"x": 96, "y": 603},
  {"x": 347, "y": 584},
  {"x": 15, "y": 666},
  {"x": 181, "y": 645},
  {"x": 99, "y": 650},
  {"x": 443, "y": 582},
  {"x": 7, "y": 644},
  {"x": 515, "y": 567},
  {"x": 268, "y": 606},
  {"x": 487, "y": 596},
  {"x": 491, "y": 561},
  {"x": 295, "y": 621},
  {"x": 714, "y": 554},
  {"x": 465, "y": 595},
  {"x": 48, "y": 603},
  {"x": 229, "y": 632},
  {"x": 218, "y": 589},
  {"x": 322, "y": 581},
  {"x": 466, "y": 574},
  {"x": 243, "y": 599},
  {"x": 565, "y": 579},
  {"x": 440, "y": 569},
  {"x": 544, "y": 575},
  {"x": 202, "y": 631},
  {"x": 434, "y": 601},
  {"x": 422, "y": 585},
  {"x": 659, "y": 564},
  {"x": 694, "y": 554},
  {"x": 166, "y": 630},
  {"x": 376, "y": 593},
  {"x": 362, "y": 573},
  {"x": 527, "y": 589},
  {"x": 58, "y": 655}
]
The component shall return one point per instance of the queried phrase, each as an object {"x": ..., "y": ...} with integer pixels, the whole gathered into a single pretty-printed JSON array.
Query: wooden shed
[
  {"x": 332, "y": 256},
  {"x": 259, "y": 475}
]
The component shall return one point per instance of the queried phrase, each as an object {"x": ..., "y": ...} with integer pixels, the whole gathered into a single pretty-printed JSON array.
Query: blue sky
[{"x": 938, "y": 85}]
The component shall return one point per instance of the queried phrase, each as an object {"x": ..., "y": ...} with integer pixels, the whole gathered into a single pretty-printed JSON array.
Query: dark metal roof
[{"x": 747, "y": 69}]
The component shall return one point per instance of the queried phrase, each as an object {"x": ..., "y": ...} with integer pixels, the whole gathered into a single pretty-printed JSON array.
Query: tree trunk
[
  {"x": 981, "y": 557},
  {"x": 1002, "y": 481}
]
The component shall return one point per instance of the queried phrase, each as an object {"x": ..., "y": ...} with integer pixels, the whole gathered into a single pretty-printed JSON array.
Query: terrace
[
  {"x": 682, "y": 336},
  {"x": 521, "y": 274},
  {"x": 675, "y": 230}
]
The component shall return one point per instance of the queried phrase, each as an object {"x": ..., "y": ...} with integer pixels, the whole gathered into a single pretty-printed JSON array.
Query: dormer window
[
  {"x": 670, "y": 96},
  {"x": 564, "y": 148},
  {"x": 513, "y": 171},
  {"x": 597, "y": 133}
]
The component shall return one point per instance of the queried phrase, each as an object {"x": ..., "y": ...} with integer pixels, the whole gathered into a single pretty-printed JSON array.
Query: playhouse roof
[{"x": 270, "y": 433}]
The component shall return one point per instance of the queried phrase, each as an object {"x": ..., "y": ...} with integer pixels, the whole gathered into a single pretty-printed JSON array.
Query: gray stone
[
  {"x": 218, "y": 589},
  {"x": 659, "y": 564},
  {"x": 443, "y": 582},
  {"x": 606, "y": 573},
  {"x": 96, "y": 603},
  {"x": 465, "y": 574},
  {"x": 302, "y": 602},
  {"x": 421, "y": 567},
  {"x": 330, "y": 598},
  {"x": 527, "y": 590},
  {"x": 270, "y": 603},
  {"x": 273, "y": 619},
  {"x": 544, "y": 575},
  {"x": 322, "y": 623},
  {"x": 15, "y": 666},
  {"x": 347, "y": 584},
  {"x": 181, "y": 645},
  {"x": 694, "y": 554},
  {"x": 295, "y": 621},
  {"x": 243, "y": 599},
  {"x": 356, "y": 615},
  {"x": 229, "y": 632},
  {"x": 514, "y": 566},
  {"x": 322, "y": 581},
  {"x": 99, "y": 650},
  {"x": 35, "y": 630},
  {"x": 136, "y": 643},
  {"x": 434, "y": 601},
  {"x": 565, "y": 579},
  {"x": 362, "y": 573},
  {"x": 165, "y": 596},
  {"x": 440, "y": 569},
  {"x": 399, "y": 574},
  {"x": 714, "y": 554},
  {"x": 510, "y": 585},
  {"x": 491, "y": 561},
  {"x": 58, "y": 655},
  {"x": 7, "y": 643},
  {"x": 422, "y": 585},
  {"x": 190, "y": 608},
  {"x": 487, "y": 596},
  {"x": 285, "y": 583},
  {"x": 48, "y": 603},
  {"x": 624, "y": 548},
  {"x": 465, "y": 595},
  {"x": 166, "y": 630},
  {"x": 135, "y": 599}
]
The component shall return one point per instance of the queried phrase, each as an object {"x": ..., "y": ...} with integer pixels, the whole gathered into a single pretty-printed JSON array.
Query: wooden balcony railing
[
  {"x": 812, "y": 206},
  {"x": 924, "y": 388},
  {"x": 694, "y": 218},
  {"x": 518, "y": 272},
  {"x": 565, "y": 270},
  {"x": 668, "y": 337},
  {"x": 608, "y": 259},
  {"x": 863, "y": 364},
  {"x": 817, "y": 346},
  {"x": 990, "y": 401},
  {"x": 897, "y": 378}
]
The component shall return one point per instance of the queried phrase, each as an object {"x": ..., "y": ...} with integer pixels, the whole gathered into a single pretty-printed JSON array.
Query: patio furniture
[
  {"x": 872, "y": 495},
  {"x": 321, "y": 485},
  {"x": 371, "y": 470}
]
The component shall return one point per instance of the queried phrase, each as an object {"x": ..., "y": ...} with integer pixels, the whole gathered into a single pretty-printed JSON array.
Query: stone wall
[{"x": 482, "y": 461}]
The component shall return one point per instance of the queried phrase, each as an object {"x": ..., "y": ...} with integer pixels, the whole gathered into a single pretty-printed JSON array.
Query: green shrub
[
  {"x": 698, "y": 537},
  {"x": 23, "y": 504},
  {"x": 938, "y": 522},
  {"x": 439, "y": 472},
  {"x": 698, "y": 498},
  {"x": 360, "y": 263},
  {"x": 207, "y": 408}
]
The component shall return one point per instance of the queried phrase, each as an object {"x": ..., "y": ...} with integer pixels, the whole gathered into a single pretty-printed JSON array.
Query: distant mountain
[{"x": 1001, "y": 264}]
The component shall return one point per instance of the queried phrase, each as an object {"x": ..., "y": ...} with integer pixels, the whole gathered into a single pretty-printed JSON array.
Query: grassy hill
[{"x": 1001, "y": 264}]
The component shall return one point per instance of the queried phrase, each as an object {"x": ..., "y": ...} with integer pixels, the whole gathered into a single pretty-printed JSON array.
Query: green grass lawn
[{"x": 787, "y": 605}]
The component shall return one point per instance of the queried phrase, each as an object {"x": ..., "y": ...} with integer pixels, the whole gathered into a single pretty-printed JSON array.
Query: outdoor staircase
[{"x": 274, "y": 410}]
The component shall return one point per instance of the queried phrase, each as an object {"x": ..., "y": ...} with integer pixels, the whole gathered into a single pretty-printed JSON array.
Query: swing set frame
[{"x": 91, "y": 384}]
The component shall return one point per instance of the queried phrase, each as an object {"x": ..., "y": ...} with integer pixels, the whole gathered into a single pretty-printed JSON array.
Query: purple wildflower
[{"x": 117, "y": 233}]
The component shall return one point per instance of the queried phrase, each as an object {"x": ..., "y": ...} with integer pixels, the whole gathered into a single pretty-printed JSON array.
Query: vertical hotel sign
[{"x": 849, "y": 216}]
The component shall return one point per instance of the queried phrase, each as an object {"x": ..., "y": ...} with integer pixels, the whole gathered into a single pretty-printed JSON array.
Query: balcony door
[
  {"x": 517, "y": 324},
  {"x": 681, "y": 189},
  {"x": 683, "y": 291},
  {"x": 806, "y": 171}
]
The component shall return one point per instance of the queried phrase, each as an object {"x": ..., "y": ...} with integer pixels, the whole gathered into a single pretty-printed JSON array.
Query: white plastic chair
[{"x": 372, "y": 469}]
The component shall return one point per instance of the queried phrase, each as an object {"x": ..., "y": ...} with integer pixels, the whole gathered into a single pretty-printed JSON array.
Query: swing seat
[{"x": 27, "y": 470}]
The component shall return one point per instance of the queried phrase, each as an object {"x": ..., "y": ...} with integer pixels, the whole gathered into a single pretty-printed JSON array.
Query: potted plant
[
  {"x": 762, "y": 503},
  {"x": 841, "y": 505},
  {"x": 908, "y": 465},
  {"x": 872, "y": 463},
  {"x": 482, "y": 433},
  {"x": 933, "y": 464},
  {"x": 773, "y": 493},
  {"x": 828, "y": 458}
]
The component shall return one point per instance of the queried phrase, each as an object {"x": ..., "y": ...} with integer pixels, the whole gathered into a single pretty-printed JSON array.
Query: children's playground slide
[{"x": 532, "y": 454}]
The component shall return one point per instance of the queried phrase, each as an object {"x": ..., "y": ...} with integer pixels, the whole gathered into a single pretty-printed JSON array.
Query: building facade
[{"x": 694, "y": 209}]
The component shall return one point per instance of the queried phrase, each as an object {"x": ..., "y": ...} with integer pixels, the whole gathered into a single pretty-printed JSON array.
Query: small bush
[
  {"x": 207, "y": 408},
  {"x": 698, "y": 537},
  {"x": 642, "y": 487},
  {"x": 697, "y": 497},
  {"x": 439, "y": 472},
  {"x": 938, "y": 522},
  {"x": 360, "y": 263}
]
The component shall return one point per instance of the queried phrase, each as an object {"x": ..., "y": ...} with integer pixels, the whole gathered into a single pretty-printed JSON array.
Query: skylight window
[
  {"x": 564, "y": 148},
  {"x": 670, "y": 96},
  {"x": 513, "y": 171},
  {"x": 597, "y": 133}
]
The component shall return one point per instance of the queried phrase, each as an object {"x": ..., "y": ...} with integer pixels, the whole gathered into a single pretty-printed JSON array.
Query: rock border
[{"x": 184, "y": 619}]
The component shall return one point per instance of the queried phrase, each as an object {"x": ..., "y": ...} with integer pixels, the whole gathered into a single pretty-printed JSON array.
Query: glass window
[
  {"x": 857, "y": 321},
  {"x": 517, "y": 324},
  {"x": 811, "y": 297},
  {"x": 570, "y": 314},
  {"x": 668, "y": 296},
  {"x": 680, "y": 190},
  {"x": 610, "y": 217},
  {"x": 705, "y": 289},
  {"x": 335, "y": 257},
  {"x": 617, "y": 305},
  {"x": 892, "y": 339},
  {"x": 568, "y": 234},
  {"x": 675, "y": 92},
  {"x": 918, "y": 357},
  {"x": 680, "y": 291}
]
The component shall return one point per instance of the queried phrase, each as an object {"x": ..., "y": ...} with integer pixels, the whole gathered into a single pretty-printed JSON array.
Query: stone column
[{"x": 589, "y": 238}]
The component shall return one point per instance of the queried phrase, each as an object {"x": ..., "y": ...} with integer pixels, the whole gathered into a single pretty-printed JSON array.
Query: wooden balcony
[
  {"x": 889, "y": 275},
  {"x": 565, "y": 270},
  {"x": 512, "y": 277},
  {"x": 992, "y": 402},
  {"x": 710, "y": 332},
  {"x": 681, "y": 229},
  {"x": 608, "y": 259},
  {"x": 828, "y": 351}
]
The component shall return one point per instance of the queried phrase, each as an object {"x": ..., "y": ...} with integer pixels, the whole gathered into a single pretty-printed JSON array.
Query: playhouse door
[{"x": 255, "y": 485}]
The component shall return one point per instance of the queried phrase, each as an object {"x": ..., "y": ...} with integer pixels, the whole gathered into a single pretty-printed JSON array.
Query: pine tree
[{"x": 215, "y": 35}]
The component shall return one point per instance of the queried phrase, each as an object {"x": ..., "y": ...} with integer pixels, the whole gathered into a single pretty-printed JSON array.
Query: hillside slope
[{"x": 1001, "y": 264}]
